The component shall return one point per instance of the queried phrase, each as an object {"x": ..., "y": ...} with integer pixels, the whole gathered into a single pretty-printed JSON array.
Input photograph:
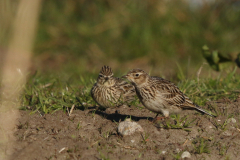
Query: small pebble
[
  {"x": 233, "y": 120},
  {"x": 132, "y": 141},
  {"x": 185, "y": 154},
  {"x": 178, "y": 150},
  {"x": 163, "y": 152},
  {"x": 227, "y": 133}
]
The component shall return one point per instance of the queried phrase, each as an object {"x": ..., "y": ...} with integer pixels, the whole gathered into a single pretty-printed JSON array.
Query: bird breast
[
  {"x": 149, "y": 99},
  {"x": 105, "y": 96},
  {"x": 155, "y": 105}
]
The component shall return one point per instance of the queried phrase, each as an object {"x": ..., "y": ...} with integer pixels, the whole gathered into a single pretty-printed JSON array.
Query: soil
[{"x": 89, "y": 134}]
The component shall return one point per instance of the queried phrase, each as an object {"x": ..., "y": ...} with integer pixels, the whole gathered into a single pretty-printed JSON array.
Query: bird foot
[{"x": 157, "y": 119}]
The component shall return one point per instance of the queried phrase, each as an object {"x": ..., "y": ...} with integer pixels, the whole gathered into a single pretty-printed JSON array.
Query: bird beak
[
  {"x": 106, "y": 79},
  {"x": 125, "y": 76}
]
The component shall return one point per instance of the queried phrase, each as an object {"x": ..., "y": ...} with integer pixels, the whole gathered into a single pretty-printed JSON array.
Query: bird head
[
  {"x": 105, "y": 76},
  {"x": 137, "y": 77}
]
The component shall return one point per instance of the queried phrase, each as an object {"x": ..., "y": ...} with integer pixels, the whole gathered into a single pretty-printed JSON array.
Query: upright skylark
[
  {"x": 160, "y": 95},
  {"x": 110, "y": 91}
]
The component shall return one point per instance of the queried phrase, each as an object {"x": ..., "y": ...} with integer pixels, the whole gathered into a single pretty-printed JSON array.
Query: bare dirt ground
[{"x": 91, "y": 134}]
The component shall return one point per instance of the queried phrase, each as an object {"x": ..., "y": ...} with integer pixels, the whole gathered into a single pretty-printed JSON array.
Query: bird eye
[
  {"x": 136, "y": 75},
  {"x": 100, "y": 75}
]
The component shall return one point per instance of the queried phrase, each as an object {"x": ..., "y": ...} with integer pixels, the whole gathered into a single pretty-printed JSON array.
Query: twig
[
  {"x": 199, "y": 71},
  {"x": 71, "y": 110},
  {"x": 39, "y": 113},
  {"x": 62, "y": 149},
  {"x": 126, "y": 147},
  {"x": 96, "y": 141},
  {"x": 68, "y": 111},
  {"x": 46, "y": 85},
  {"x": 185, "y": 142},
  {"x": 45, "y": 138}
]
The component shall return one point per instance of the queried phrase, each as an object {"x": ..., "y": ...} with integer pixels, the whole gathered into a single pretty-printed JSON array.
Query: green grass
[
  {"x": 208, "y": 89},
  {"x": 201, "y": 146},
  {"x": 222, "y": 126},
  {"x": 49, "y": 94},
  {"x": 177, "y": 156},
  {"x": 177, "y": 122},
  {"x": 145, "y": 138},
  {"x": 223, "y": 148}
]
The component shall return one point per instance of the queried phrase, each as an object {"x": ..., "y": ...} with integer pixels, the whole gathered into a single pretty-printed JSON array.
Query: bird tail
[
  {"x": 190, "y": 103},
  {"x": 203, "y": 111}
]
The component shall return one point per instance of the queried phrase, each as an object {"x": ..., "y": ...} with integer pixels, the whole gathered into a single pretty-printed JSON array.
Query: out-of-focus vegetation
[
  {"x": 147, "y": 34},
  {"x": 217, "y": 60},
  {"x": 164, "y": 37}
]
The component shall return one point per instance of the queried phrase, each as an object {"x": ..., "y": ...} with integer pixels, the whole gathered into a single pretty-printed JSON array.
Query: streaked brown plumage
[
  {"x": 110, "y": 91},
  {"x": 160, "y": 95}
]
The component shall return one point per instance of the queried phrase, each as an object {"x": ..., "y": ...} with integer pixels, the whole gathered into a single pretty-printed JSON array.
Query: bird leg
[{"x": 157, "y": 118}]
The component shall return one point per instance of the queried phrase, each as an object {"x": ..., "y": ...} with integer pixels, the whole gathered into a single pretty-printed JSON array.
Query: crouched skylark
[
  {"x": 110, "y": 91},
  {"x": 160, "y": 95}
]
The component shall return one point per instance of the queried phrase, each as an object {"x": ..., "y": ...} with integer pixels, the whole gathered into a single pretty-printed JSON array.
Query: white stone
[
  {"x": 233, "y": 120},
  {"x": 132, "y": 141},
  {"x": 227, "y": 133},
  {"x": 178, "y": 150},
  {"x": 164, "y": 152},
  {"x": 128, "y": 127},
  {"x": 185, "y": 154}
]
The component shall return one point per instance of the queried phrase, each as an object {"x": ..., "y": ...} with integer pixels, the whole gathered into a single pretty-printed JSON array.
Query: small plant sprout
[
  {"x": 178, "y": 123},
  {"x": 201, "y": 146},
  {"x": 145, "y": 138},
  {"x": 79, "y": 126}
]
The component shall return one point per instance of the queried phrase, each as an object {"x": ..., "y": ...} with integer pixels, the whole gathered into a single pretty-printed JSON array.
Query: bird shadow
[{"x": 117, "y": 117}]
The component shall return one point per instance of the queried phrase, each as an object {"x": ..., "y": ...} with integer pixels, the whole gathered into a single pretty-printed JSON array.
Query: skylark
[
  {"x": 110, "y": 91},
  {"x": 160, "y": 95}
]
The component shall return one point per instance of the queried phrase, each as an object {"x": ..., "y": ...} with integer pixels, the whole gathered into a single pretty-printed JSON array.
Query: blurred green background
[{"x": 164, "y": 37}]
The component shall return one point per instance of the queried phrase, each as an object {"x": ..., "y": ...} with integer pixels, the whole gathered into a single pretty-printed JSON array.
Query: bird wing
[
  {"x": 168, "y": 91},
  {"x": 172, "y": 95},
  {"x": 127, "y": 90}
]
